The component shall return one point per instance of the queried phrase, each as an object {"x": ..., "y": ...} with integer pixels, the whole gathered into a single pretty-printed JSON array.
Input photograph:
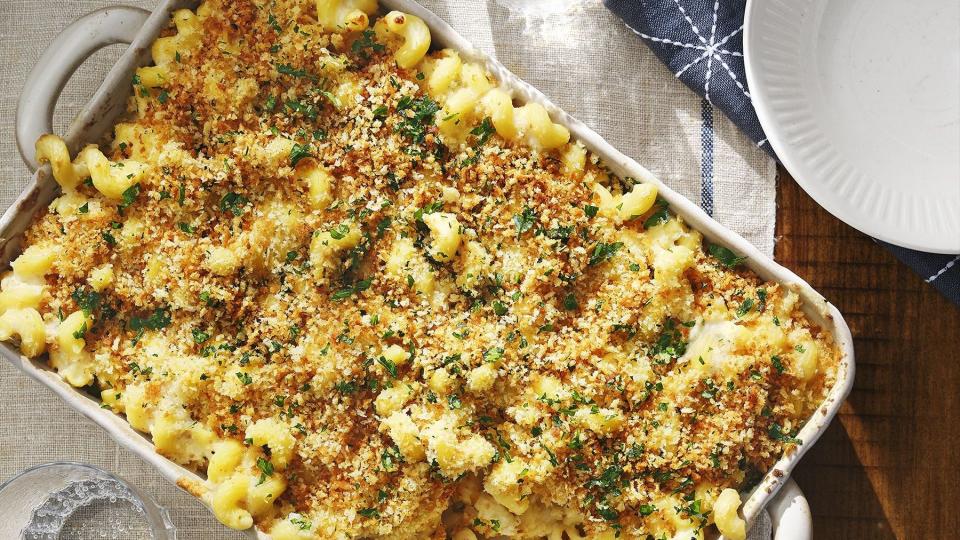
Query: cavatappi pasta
[{"x": 372, "y": 296}]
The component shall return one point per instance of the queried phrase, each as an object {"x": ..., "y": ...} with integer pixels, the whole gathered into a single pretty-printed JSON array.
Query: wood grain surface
[{"x": 888, "y": 465}]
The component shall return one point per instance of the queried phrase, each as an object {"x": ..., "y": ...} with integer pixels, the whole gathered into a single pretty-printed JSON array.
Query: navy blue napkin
[{"x": 701, "y": 41}]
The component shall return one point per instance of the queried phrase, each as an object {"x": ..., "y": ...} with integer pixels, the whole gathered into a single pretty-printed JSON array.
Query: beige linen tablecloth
[{"x": 575, "y": 51}]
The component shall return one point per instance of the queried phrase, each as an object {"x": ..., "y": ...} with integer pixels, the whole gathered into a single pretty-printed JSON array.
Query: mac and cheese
[{"x": 370, "y": 295}]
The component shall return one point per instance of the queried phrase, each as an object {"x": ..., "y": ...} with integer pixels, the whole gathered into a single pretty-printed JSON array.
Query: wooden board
[{"x": 888, "y": 466}]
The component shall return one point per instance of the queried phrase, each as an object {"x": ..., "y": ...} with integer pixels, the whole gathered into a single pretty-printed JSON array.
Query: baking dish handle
[{"x": 56, "y": 65}]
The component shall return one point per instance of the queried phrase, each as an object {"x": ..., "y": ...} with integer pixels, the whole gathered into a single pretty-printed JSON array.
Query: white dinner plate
[{"x": 861, "y": 101}]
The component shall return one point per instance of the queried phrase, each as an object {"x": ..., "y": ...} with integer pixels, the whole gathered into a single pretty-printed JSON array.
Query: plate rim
[{"x": 794, "y": 164}]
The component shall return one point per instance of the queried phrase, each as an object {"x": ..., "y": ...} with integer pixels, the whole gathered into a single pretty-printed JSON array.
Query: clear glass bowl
[{"x": 73, "y": 501}]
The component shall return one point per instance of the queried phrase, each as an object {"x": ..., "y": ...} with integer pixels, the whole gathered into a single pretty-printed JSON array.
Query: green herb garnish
[
  {"x": 745, "y": 307},
  {"x": 233, "y": 203},
  {"x": 128, "y": 197},
  {"x": 776, "y": 433},
  {"x": 298, "y": 152},
  {"x": 725, "y": 256},
  {"x": 365, "y": 43},
  {"x": 199, "y": 336},
  {"x": 525, "y": 220},
  {"x": 660, "y": 215},
  {"x": 604, "y": 251},
  {"x": 777, "y": 363},
  {"x": 388, "y": 365},
  {"x": 483, "y": 132},
  {"x": 414, "y": 126}
]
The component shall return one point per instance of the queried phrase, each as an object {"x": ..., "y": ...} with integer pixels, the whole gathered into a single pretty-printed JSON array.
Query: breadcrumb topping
[{"x": 457, "y": 335}]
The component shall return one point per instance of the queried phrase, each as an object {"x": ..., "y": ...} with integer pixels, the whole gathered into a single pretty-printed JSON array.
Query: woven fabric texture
[{"x": 575, "y": 51}]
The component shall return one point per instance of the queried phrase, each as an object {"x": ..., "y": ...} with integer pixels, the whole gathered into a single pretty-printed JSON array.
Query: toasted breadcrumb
[{"x": 600, "y": 370}]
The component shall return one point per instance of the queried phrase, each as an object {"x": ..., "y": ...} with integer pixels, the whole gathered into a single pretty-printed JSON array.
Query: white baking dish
[{"x": 139, "y": 28}]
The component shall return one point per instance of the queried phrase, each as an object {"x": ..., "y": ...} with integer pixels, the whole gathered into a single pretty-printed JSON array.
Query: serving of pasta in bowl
[{"x": 340, "y": 275}]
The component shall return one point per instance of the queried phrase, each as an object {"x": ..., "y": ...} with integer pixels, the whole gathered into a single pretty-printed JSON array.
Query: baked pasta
[{"x": 370, "y": 295}]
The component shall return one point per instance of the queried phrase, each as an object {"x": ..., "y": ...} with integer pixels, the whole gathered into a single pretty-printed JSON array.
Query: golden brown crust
[{"x": 586, "y": 324}]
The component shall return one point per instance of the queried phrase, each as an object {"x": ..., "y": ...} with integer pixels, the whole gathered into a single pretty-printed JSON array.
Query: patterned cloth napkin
[
  {"x": 702, "y": 44},
  {"x": 575, "y": 51}
]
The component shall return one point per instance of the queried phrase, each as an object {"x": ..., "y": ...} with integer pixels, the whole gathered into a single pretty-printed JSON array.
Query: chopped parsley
[
  {"x": 660, "y": 215},
  {"x": 418, "y": 115},
  {"x": 369, "y": 512},
  {"x": 347, "y": 292},
  {"x": 390, "y": 458},
  {"x": 206, "y": 298},
  {"x": 726, "y": 257},
  {"x": 345, "y": 387},
  {"x": 483, "y": 132},
  {"x": 199, "y": 336},
  {"x": 127, "y": 198},
  {"x": 136, "y": 370},
  {"x": 302, "y": 524},
  {"x": 745, "y": 307},
  {"x": 287, "y": 69},
  {"x": 525, "y": 220},
  {"x": 160, "y": 318},
  {"x": 331, "y": 98},
  {"x": 80, "y": 332},
  {"x": 266, "y": 469},
  {"x": 270, "y": 104},
  {"x": 670, "y": 345},
  {"x": 431, "y": 208},
  {"x": 550, "y": 454},
  {"x": 305, "y": 109},
  {"x": 492, "y": 355},
  {"x": 608, "y": 484},
  {"x": 298, "y": 152},
  {"x": 388, "y": 365},
  {"x": 383, "y": 225},
  {"x": 561, "y": 233},
  {"x": 454, "y": 402},
  {"x": 272, "y": 21},
  {"x": 108, "y": 238},
  {"x": 366, "y": 43},
  {"x": 776, "y": 433},
  {"x": 604, "y": 251},
  {"x": 87, "y": 300},
  {"x": 340, "y": 231},
  {"x": 233, "y": 203},
  {"x": 777, "y": 363}
]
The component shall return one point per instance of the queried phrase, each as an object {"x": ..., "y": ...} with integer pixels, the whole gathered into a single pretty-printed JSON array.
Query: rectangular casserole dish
[{"x": 140, "y": 29}]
